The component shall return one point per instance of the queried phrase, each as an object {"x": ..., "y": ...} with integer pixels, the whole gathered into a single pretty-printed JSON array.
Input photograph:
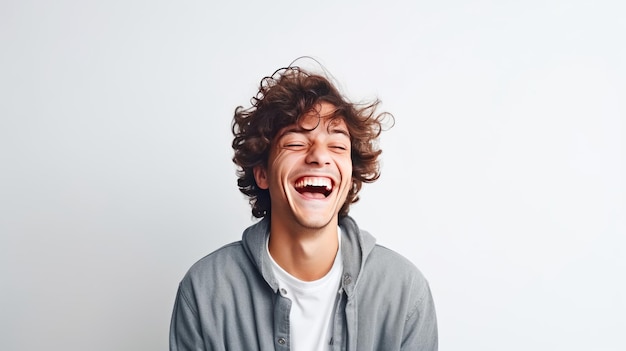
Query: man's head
[{"x": 301, "y": 122}]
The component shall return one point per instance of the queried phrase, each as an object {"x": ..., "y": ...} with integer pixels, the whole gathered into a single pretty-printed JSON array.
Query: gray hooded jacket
[{"x": 229, "y": 300}]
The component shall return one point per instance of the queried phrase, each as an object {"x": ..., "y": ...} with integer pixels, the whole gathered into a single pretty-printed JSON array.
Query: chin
[{"x": 315, "y": 222}]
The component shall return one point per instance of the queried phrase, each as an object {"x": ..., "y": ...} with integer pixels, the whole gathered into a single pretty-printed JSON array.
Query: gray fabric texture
[{"x": 229, "y": 300}]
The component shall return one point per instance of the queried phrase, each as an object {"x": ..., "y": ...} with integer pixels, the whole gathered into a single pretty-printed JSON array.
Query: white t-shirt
[{"x": 312, "y": 304}]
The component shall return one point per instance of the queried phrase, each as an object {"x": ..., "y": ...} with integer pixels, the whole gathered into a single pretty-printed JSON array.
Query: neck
[{"x": 307, "y": 254}]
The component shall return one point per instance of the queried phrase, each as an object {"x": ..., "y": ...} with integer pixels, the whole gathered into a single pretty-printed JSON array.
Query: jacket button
[
  {"x": 282, "y": 341},
  {"x": 347, "y": 279},
  {"x": 283, "y": 291}
]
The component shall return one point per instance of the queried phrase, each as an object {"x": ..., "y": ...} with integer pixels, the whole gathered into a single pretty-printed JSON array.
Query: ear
[{"x": 260, "y": 176}]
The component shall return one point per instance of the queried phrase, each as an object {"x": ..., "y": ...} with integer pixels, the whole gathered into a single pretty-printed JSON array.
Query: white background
[{"x": 503, "y": 179}]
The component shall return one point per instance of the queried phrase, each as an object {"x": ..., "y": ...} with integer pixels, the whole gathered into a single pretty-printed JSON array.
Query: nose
[{"x": 318, "y": 155}]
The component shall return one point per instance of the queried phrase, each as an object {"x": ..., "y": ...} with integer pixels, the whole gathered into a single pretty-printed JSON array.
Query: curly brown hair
[{"x": 283, "y": 98}]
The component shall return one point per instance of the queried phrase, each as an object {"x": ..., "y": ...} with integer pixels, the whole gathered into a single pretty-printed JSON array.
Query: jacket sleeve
[
  {"x": 185, "y": 332},
  {"x": 420, "y": 332}
]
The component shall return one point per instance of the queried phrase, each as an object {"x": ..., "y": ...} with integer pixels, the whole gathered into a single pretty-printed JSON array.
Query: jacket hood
[{"x": 356, "y": 245}]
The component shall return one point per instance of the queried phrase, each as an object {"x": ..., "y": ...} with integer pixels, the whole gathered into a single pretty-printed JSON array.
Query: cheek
[
  {"x": 345, "y": 166},
  {"x": 281, "y": 165},
  {"x": 346, "y": 176}
]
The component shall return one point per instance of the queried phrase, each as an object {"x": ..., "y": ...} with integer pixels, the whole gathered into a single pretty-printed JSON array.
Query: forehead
[
  {"x": 313, "y": 122},
  {"x": 324, "y": 116}
]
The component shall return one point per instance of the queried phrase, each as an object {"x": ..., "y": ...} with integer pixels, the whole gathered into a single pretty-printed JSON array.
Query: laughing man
[{"x": 305, "y": 277}]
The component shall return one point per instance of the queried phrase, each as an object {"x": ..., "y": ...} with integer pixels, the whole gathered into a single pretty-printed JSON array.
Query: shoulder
[
  {"x": 387, "y": 267},
  {"x": 225, "y": 253},
  {"x": 230, "y": 258},
  {"x": 391, "y": 282},
  {"x": 391, "y": 259}
]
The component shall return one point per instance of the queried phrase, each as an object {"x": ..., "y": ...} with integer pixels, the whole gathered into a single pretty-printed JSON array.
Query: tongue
[
  {"x": 314, "y": 192},
  {"x": 313, "y": 195}
]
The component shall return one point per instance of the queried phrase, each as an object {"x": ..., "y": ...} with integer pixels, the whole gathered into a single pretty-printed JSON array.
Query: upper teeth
[{"x": 310, "y": 181}]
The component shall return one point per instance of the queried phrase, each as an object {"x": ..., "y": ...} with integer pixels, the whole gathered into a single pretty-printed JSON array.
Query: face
[{"x": 309, "y": 171}]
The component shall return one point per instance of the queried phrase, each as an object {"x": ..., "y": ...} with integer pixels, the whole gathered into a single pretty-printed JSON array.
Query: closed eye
[{"x": 294, "y": 146}]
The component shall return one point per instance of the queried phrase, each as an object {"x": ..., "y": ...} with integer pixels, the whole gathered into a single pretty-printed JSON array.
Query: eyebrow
[
  {"x": 297, "y": 129},
  {"x": 339, "y": 131}
]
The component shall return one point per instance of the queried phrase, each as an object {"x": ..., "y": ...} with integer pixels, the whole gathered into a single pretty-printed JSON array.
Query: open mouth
[{"x": 317, "y": 187}]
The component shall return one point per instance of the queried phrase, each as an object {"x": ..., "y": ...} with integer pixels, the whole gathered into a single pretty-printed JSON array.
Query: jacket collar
[{"x": 356, "y": 245}]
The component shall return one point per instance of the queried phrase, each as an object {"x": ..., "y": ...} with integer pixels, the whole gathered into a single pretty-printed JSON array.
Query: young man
[{"x": 305, "y": 277}]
